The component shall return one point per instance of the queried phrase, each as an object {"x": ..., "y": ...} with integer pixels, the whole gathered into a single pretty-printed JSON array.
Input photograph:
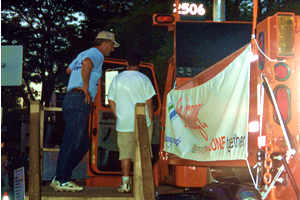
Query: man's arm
[
  {"x": 150, "y": 109},
  {"x": 112, "y": 105},
  {"x": 86, "y": 69}
]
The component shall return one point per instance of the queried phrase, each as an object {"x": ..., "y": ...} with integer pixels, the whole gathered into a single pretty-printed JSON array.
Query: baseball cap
[{"x": 108, "y": 36}]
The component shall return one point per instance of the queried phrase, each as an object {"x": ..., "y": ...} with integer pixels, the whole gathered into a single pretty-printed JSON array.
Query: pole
[
  {"x": 34, "y": 151},
  {"x": 219, "y": 10}
]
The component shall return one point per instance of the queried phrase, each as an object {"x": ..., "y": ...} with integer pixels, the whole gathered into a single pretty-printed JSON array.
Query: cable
[
  {"x": 273, "y": 100},
  {"x": 262, "y": 52},
  {"x": 252, "y": 177}
]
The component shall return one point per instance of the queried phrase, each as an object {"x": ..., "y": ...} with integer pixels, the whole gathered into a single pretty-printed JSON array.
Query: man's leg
[
  {"x": 126, "y": 144},
  {"x": 126, "y": 165},
  {"x": 83, "y": 145},
  {"x": 65, "y": 152},
  {"x": 76, "y": 118}
]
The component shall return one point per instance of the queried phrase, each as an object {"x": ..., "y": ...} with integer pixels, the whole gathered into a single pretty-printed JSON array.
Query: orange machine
[
  {"x": 274, "y": 105},
  {"x": 274, "y": 110},
  {"x": 278, "y": 38},
  {"x": 103, "y": 162}
]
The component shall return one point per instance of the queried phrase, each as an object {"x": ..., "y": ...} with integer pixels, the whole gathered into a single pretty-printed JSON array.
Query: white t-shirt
[{"x": 127, "y": 89}]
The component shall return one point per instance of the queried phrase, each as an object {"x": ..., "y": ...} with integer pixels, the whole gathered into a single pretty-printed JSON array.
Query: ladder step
[
  {"x": 82, "y": 198},
  {"x": 50, "y": 149},
  {"x": 55, "y": 109},
  {"x": 89, "y": 193}
]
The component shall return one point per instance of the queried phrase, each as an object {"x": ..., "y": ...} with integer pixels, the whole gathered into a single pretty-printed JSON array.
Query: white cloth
[
  {"x": 127, "y": 89},
  {"x": 209, "y": 122}
]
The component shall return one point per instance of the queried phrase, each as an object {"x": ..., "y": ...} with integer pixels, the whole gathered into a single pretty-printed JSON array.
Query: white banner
[{"x": 209, "y": 122}]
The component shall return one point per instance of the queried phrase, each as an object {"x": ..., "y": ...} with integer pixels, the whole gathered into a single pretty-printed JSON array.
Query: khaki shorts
[{"x": 127, "y": 144}]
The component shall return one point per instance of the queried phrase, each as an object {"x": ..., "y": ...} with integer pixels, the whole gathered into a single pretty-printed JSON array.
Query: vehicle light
[
  {"x": 285, "y": 36},
  {"x": 253, "y": 126},
  {"x": 282, "y": 71},
  {"x": 253, "y": 57},
  {"x": 163, "y": 19},
  {"x": 5, "y": 196},
  {"x": 261, "y": 141},
  {"x": 283, "y": 98}
]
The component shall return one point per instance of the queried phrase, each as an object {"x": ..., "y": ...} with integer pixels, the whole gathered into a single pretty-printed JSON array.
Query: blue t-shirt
[{"x": 75, "y": 80}]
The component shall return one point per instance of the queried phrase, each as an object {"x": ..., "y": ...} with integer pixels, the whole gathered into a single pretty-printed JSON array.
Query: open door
[{"x": 103, "y": 161}]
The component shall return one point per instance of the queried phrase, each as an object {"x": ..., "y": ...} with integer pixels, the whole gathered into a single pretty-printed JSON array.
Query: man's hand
[
  {"x": 87, "y": 99},
  {"x": 150, "y": 109},
  {"x": 112, "y": 105}
]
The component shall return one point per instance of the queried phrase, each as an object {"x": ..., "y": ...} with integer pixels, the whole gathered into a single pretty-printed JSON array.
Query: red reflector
[
  {"x": 282, "y": 71},
  {"x": 164, "y": 19},
  {"x": 282, "y": 95},
  {"x": 167, "y": 19}
]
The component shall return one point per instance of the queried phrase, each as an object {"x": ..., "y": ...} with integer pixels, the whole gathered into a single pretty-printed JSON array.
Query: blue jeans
[{"x": 75, "y": 141}]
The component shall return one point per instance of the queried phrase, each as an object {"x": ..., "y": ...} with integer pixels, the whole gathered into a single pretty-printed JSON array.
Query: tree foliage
[
  {"x": 52, "y": 32},
  {"x": 46, "y": 30},
  {"x": 135, "y": 31}
]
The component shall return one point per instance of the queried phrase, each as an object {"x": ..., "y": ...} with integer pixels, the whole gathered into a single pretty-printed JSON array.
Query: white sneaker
[
  {"x": 55, "y": 184},
  {"x": 65, "y": 187},
  {"x": 124, "y": 188}
]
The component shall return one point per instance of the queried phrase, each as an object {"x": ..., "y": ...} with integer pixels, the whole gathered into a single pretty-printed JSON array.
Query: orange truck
[
  {"x": 255, "y": 137},
  {"x": 263, "y": 149}
]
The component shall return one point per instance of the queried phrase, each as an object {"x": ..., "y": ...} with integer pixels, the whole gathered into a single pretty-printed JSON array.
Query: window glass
[
  {"x": 200, "y": 45},
  {"x": 110, "y": 70},
  {"x": 109, "y": 76}
]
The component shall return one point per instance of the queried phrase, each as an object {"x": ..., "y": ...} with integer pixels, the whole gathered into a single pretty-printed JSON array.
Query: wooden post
[
  {"x": 34, "y": 151},
  {"x": 143, "y": 178},
  {"x": 41, "y": 136}
]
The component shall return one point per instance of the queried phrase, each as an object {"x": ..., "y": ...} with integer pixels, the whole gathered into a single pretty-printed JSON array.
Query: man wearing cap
[{"x": 85, "y": 71}]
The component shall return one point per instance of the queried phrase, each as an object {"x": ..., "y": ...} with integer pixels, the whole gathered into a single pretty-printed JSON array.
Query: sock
[{"x": 125, "y": 179}]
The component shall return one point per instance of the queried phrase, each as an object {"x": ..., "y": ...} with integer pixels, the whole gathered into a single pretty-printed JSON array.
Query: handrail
[
  {"x": 34, "y": 152},
  {"x": 143, "y": 177},
  {"x": 35, "y": 144}
]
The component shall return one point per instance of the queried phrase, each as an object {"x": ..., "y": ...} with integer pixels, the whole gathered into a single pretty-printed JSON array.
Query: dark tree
[
  {"x": 46, "y": 30},
  {"x": 52, "y": 32}
]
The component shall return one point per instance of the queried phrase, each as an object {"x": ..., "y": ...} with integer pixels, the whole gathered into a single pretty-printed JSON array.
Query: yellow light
[{"x": 285, "y": 35}]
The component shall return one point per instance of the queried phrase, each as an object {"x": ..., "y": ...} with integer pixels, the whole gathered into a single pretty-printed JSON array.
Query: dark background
[{"x": 200, "y": 45}]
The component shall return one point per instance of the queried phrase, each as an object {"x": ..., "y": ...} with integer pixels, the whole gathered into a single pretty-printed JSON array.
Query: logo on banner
[
  {"x": 221, "y": 143},
  {"x": 172, "y": 140},
  {"x": 172, "y": 111},
  {"x": 189, "y": 115}
]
